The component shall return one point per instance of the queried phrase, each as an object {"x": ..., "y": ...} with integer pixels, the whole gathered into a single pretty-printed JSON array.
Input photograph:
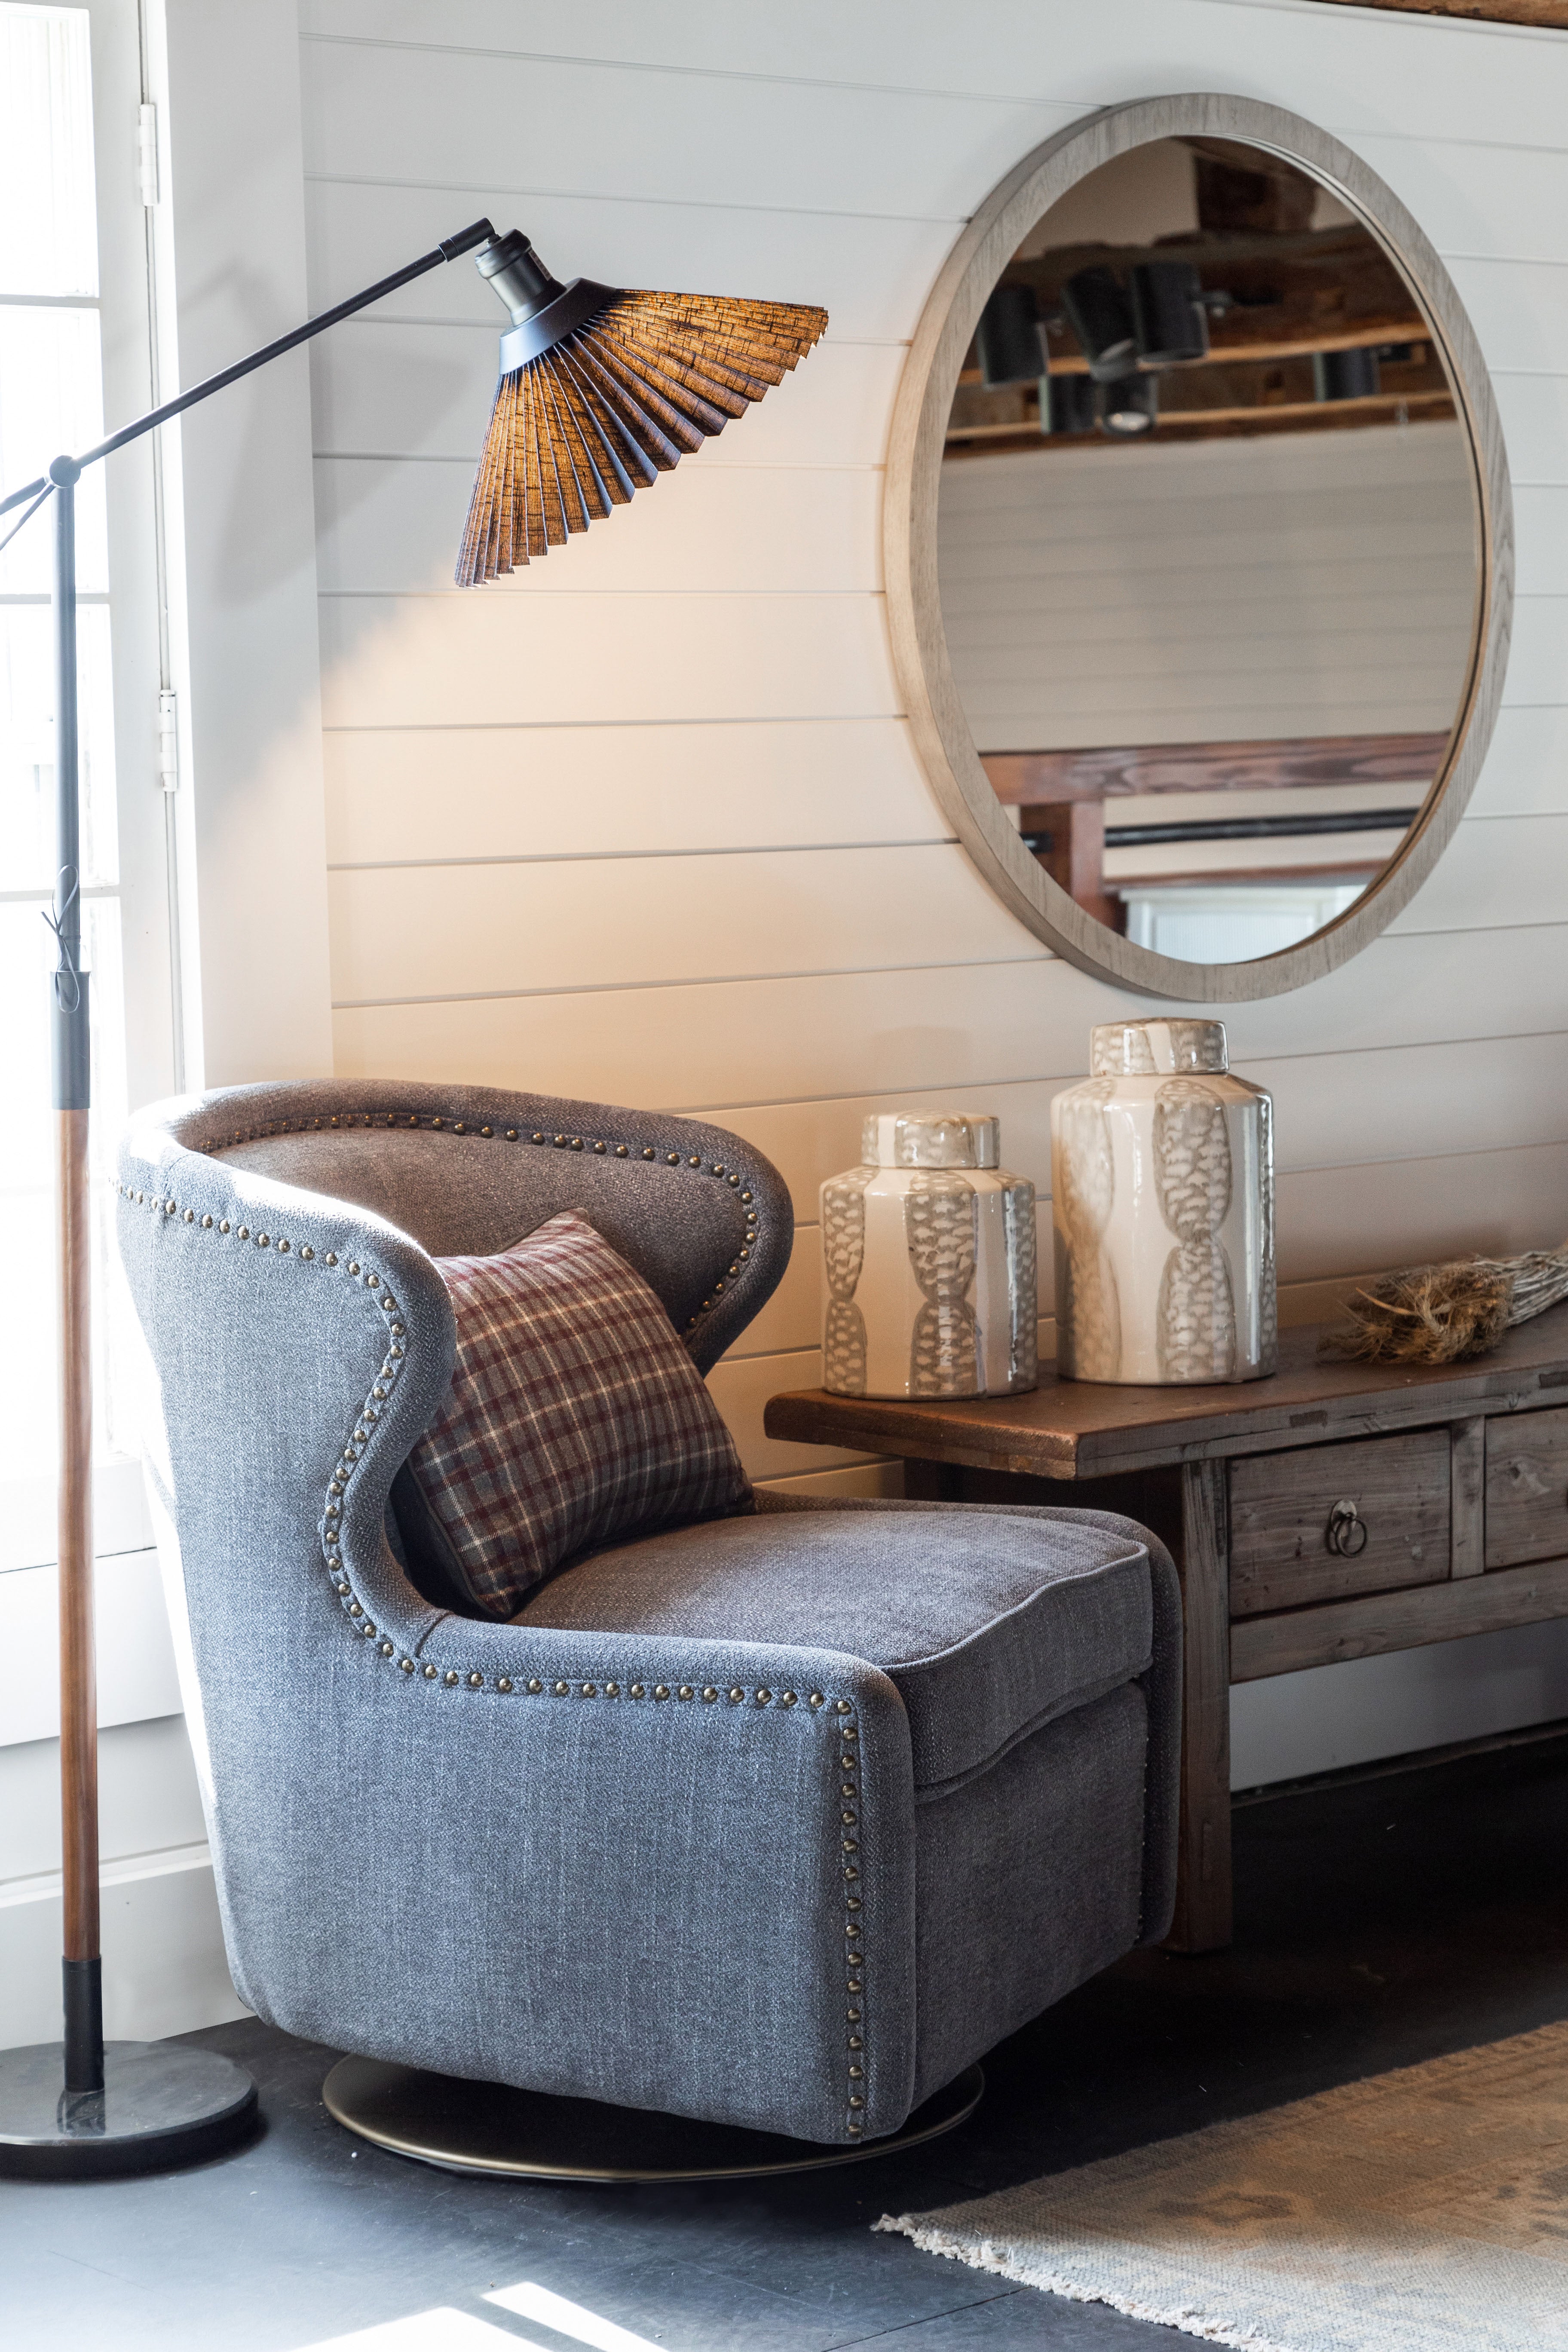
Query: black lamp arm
[{"x": 478, "y": 231}]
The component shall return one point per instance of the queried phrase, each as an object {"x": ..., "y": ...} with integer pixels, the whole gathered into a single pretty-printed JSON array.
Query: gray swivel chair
[{"x": 779, "y": 1821}]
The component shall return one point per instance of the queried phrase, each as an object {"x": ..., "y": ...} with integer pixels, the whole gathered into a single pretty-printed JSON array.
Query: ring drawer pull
[{"x": 1346, "y": 1532}]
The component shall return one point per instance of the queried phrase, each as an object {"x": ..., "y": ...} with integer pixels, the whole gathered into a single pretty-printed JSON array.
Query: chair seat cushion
[
  {"x": 989, "y": 1622},
  {"x": 574, "y": 1417}
]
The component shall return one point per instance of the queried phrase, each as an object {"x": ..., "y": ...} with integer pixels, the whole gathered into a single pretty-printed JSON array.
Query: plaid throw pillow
[{"x": 575, "y": 1418}]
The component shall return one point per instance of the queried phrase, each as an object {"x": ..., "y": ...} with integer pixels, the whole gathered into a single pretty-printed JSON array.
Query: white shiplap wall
[{"x": 646, "y": 821}]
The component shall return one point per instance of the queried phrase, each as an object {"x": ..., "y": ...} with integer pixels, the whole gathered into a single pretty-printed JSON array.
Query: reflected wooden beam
[
  {"x": 1030, "y": 780},
  {"x": 1210, "y": 425},
  {"x": 1068, "y": 838}
]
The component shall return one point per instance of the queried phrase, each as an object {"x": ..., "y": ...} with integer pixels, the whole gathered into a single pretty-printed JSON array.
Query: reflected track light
[
  {"x": 1345, "y": 375},
  {"x": 1100, "y": 317},
  {"x": 1069, "y": 404},
  {"x": 1007, "y": 340},
  {"x": 1131, "y": 405},
  {"x": 1168, "y": 315}
]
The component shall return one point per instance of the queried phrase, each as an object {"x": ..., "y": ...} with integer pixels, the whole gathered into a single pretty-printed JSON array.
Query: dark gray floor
[{"x": 1380, "y": 1923}]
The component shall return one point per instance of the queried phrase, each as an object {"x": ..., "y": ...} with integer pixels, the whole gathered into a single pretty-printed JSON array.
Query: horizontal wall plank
[
  {"x": 1407, "y": 1102},
  {"x": 935, "y": 1030},
  {"x": 373, "y": 112},
  {"x": 1537, "y": 672},
  {"x": 742, "y": 1386},
  {"x": 136, "y": 1676},
  {"x": 1411, "y": 1211},
  {"x": 871, "y": 275},
  {"x": 1526, "y": 770},
  {"x": 384, "y": 385},
  {"x": 407, "y": 796},
  {"x": 388, "y": 524},
  {"x": 600, "y": 923},
  {"x": 1358, "y": 73},
  {"x": 1496, "y": 872},
  {"x": 489, "y": 660},
  {"x": 1516, "y": 311}
]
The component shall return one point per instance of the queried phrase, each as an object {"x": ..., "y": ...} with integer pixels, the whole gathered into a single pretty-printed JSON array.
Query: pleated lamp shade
[{"x": 603, "y": 389}]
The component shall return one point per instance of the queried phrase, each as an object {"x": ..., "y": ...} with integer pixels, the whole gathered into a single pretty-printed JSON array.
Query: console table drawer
[
  {"x": 1293, "y": 1540},
  {"x": 1527, "y": 1487}
]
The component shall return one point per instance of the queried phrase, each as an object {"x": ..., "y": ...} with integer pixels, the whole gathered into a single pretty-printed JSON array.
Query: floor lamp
[{"x": 600, "y": 390}]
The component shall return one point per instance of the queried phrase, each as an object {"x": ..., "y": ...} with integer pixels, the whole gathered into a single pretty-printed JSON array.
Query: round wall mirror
[{"x": 1198, "y": 548}]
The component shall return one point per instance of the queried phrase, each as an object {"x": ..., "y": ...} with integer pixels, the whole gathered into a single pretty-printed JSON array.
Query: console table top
[{"x": 1081, "y": 1429}]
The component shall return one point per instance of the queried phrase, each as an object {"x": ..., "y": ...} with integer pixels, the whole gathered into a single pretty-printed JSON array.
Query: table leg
[{"x": 1203, "y": 1916}]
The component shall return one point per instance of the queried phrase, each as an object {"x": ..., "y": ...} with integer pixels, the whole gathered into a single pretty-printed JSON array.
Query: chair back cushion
[{"x": 575, "y": 1418}]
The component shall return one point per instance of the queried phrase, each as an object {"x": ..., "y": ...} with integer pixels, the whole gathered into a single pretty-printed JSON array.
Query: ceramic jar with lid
[
  {"x": 1163, "y": 1212},
  {"x": 930, "y": 1263}
]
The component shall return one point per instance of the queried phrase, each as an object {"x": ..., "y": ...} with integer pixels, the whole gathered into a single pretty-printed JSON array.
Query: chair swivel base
[
  {"x": 162, "y": 2104},
  {"x": 486, "y": 2127}
]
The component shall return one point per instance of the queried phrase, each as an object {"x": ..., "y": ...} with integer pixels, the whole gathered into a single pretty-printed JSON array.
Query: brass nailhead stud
[
  {"x": 661, "y": 1690},
  {"x": 429, "y": 1674},
  {"x": 764, "y": 1696},
  {"x": 459, "y": 1129},
  {"x": 503, "y": 1682},
  {"x": 857, "y": 2074},
  {"x": 842, "y": 1707},
  {"x": 637, "y": 1690},
  {"x": 612, "y": 1690},
  {"x": 307, "y": 1251},
  {"x": 489, "y": 1130},
  {"x": 673, "y": 1158},
  {"x": 736, "y": 1696},
  {"x": 385, "y": 1649},
  {"x": 745, "y": 1196},
  {"x": 190, "y": 1217},
  {"x": 262, "y": 1241},
  {"x": 355, "y": 1609},
  {"x": 476, "y": 1682},
  {"x": 815, "y": 1699},
  {"x": 372, "y": 1281},
  {"x": 853, "y": 1983},
  {"x": 536, "y": 1687},
  {"x": 589, "y": 1691},
  {"x": 332, "y": 1257},
  {"x": 620, "y": 1152},
  {"x": 576, "y": 1143},
  {"x": 648, "y": 1151},
  {"x": 598, "y": 1146},
  {"x": 449, "y": 1679},
  {"x": 561, "y": 1690},
  {"x": 405, "y": 1665},
  {"x": 734, "y": 1180},
  {"x": 708, "y": 1692},
  {"x": 353, "y": 1265},
  {"x": 718, "y": 1168},
  {"x": 856, "y": 2101},
  {"x": 852, "y": 1903},
  {"x": 787, "y": 1698},
  {"x": 368, "y": 1630},
  {"x": 242, "y": 1232},
  {"x": 686, "y": 1691},
  {"x": 694, "y": 1161},
  {"x": 854, "y": 2017},
  {"x": 850, "y": 1820},
  {"x": 206, "y": 1228},
  {"x": 560, "y": 1142},
  {"x": 434, "y": 1122},
  {"x": 222, "y": 1222}
]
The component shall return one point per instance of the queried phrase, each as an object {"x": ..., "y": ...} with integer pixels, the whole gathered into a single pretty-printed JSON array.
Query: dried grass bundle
[{"x": 1445, "y": 1314}]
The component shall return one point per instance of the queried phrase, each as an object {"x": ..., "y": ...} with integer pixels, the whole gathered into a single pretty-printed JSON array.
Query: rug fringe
[{"x": 985, "y": 2254}]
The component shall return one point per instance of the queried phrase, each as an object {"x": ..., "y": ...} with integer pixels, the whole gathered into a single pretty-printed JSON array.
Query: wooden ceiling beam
[{"x": 1551, "y": 16}]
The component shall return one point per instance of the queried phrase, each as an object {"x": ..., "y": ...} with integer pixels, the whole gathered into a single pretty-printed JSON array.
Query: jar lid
[
  {"x": 931, "y": 1139},
  {"x": 1147, "y": 1049}
]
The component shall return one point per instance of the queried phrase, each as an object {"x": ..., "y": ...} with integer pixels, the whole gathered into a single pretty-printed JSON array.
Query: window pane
[
  {"x": 52, "y": 399},
  {"x": 28, "y": 747},
  {"x": 48, "y": 232}
]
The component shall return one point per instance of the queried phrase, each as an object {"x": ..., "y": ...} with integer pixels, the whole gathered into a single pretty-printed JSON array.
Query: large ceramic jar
[
  {"x": 931, "y": 1271},
  {"x": 1162, "y": 1211}
]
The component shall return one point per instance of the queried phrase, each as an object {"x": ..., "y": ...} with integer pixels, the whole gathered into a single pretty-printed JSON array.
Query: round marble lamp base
[{"x": 163, "y": 2105}]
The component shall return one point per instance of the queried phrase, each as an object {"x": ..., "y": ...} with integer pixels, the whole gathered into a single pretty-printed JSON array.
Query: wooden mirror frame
[{"x": 920, "y": 415}]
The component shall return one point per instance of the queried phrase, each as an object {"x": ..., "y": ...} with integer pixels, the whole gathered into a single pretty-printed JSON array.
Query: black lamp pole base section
[
  {"x": 465, "y": 2126},
  {"x": 163, "y": 2105}
]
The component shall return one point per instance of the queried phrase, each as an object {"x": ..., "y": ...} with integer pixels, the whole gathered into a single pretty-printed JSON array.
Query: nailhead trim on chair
[
  {"x": 434, "y": 1124},
  {"x": 360, "y": 1623}
]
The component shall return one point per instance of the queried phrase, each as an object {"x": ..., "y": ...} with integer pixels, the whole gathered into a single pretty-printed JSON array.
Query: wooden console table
[{"x": 1331, "y": 1511}]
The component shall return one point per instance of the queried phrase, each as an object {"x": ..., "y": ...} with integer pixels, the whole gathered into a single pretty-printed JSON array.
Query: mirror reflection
[{"x": 1208, "y": 550}]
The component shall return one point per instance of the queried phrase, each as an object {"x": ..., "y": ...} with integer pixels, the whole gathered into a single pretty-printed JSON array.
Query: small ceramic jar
[
  {"x": 929, "y": 1254},
  {"x": 1163, "y": 1212}
]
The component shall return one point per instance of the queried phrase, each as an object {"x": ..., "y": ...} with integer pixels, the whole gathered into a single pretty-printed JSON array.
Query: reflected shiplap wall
[
  {"x": 645, "y": 822},
  {"x": 1297, "y": 584}
]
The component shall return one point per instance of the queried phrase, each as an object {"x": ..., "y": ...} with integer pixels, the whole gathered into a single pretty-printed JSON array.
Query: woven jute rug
[{"x": 1425, "y": 2211}]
